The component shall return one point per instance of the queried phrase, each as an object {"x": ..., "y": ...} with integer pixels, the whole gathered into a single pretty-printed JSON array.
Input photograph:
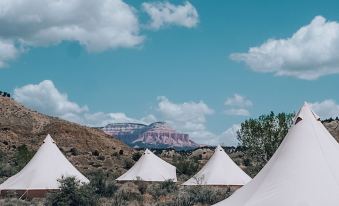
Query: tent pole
[{"x": 23, "y": 194}]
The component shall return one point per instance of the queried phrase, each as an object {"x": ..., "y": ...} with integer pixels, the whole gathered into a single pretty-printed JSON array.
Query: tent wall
[{"x": 27, "y": 193}]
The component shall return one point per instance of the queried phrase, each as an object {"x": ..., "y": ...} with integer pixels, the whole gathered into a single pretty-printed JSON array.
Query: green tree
[
  {"x": 185, "y": 165},
  {"x": 102, "y": 184},
  {"x": 72, "y": 193},
  {"x": 262, "y": 136},
  {"x": 22, "y": 156}
]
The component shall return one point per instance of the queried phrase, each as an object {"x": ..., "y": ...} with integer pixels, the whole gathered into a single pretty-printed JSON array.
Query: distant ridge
[{"x": 155, "y": 135}]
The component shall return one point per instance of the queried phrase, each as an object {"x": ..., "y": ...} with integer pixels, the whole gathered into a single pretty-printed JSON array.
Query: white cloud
[
  {"x": 238, "y": 105},
  {"x": 187, "y": 111},
  {"x": 7, "y": 52},
  {"x": 229, "y": 137},
  {"x": 237, "y": 112},
  {"x": 311, "y": 52},
  {"x": 188, "y": 117},
  {"x": 226, "y": 138},
  {"x": 326, "y": 109},
  {"x": 165, "y": 13},
  {"x": 97, "y": 25},
  {"x": 148, "y": 119},
  {"x": 46, "y": 98},
  {"x": 238, "y": 101}
]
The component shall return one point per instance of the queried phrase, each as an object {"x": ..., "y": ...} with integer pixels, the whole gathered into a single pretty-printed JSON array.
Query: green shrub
[
  {"x": 162, "y": 189},
  {"x": 197, "y": 195},
  {"x": 22, "y": 156},
  {"x": 247, "y": 162},
  {"x": 136, "y": 156},
  {"x": 74, "y": 151},
  {"x": 128, "y": 192},
  {"x": 128, "y": 163},
  {"x": 72, "y": 193},
  {"x": 95, "y": 153},
  {"x": 186, "y": 166},
  {"x": 207, "y": 195},
  {"x": 14, "y": 202},
  {"x": 142, "y": 185},
  {"x": 101, "y": 157},
  {"x": 6, "y": 170},
  {"x": 102, "y": 184}
]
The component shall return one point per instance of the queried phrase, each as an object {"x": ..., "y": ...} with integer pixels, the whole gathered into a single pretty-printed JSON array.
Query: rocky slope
[
  {"x": 333, "y": 128},
  {"x": 87, "y": 148},
  {"x": 155, "y": 135}
]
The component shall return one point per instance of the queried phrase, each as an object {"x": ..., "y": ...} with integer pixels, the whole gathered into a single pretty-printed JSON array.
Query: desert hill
[
  {"x": 333, "y": 127},
  {"x": 87, "y": 148}
]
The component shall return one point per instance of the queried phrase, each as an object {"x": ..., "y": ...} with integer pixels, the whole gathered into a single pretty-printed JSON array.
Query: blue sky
[{"x": 186, "y": 65}]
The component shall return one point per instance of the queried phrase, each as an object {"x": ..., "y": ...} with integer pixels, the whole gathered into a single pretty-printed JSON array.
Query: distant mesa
[{"x": 155, "y": 135}]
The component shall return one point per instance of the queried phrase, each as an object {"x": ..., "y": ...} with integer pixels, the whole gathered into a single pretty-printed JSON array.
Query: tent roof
[
  {"x": 219, "y": 170},
  {"x": 150, "y": 168},
  {"x": 43, "y": 170},
  {"x": 304, "y": 171}
]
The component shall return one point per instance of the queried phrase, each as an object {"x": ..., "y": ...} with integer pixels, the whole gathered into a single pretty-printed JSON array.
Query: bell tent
[
  {"x": 42, "y": 172},
  {"x": 304, "y": 171},
  {"x": 150, "y": 168},
  {"x": 219, "y": 170}
]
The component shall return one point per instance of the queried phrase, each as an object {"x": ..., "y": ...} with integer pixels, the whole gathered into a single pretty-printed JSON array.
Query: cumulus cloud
[
  {"x": 188, "y": 117},
  {"x": 226, "y": 138},
  {"x": 326, "y": 109},
  {"x": 7, "y": 52},
  {"x": 311, "y": 52},
  {"x": 187, "y": 111},
  {"x": 191, "y": 117},
  {"x": 237, "y": 112},
  {"x": 238, "y": 105},
  {"x": 238, "y": 101},
  {"x": 96, "y": 25},
  {"x": 165, "y": 13},
  {"x": 229, "y": 137},
  {"x": 46, "y": 98}
]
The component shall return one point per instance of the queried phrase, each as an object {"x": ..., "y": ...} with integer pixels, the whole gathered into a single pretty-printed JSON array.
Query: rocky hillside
[
  {"x": 87, "y": 148},
  {"x": 155, "y": 135},
  {"x": 333, "y": 128}
]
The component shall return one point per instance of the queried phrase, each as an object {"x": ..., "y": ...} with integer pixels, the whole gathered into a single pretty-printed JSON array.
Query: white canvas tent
[
  {"x": 150, "y": 168},
  {"x": 304, "y": 171},
  {"x": 219, "y": 170},
  {"x": 42, "y": 172}
]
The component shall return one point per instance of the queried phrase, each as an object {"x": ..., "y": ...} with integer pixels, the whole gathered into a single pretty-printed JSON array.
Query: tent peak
[
  {"x": 219, "y": 148},
  {"x": 49, "y": 139},
  {"x": 147, "y": 151},
  {"x": 305, "y": 112}
]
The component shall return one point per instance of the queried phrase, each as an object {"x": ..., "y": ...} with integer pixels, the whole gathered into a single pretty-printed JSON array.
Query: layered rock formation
[{"x": 155, "y": 135}]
